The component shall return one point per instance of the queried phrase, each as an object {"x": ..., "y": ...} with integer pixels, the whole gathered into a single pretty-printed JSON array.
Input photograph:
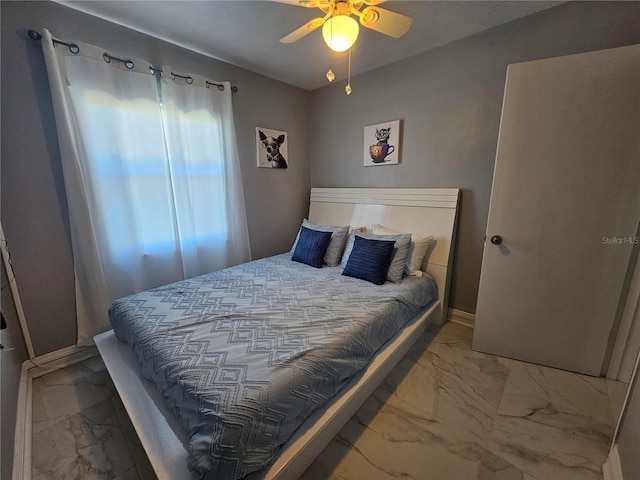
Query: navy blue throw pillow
[
  {"x": 311, "y": 247},
  {"x": 369, "y": 260}
]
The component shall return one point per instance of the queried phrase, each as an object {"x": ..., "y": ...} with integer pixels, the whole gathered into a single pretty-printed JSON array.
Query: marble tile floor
[
  {"x": 80, "y": 429},
  {"x": 445, "y": 413}
]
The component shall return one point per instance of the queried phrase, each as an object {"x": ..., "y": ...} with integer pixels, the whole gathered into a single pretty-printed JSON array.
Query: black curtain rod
[{"x": 73, "y": 48}]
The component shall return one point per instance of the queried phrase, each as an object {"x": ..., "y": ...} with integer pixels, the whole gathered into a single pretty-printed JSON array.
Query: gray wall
[
  {"x": 449, "y": 101},
  {"x": 34, "y": 210}
]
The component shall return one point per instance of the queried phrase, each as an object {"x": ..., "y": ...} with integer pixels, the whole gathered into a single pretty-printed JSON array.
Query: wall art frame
[
  {"x": 272, "y": 148},
  {"x": 382, "y": 144}
]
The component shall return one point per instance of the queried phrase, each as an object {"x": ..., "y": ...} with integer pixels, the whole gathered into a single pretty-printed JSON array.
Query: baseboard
[
  {"x": 460, "y": 316},
  {"x": 62, "y": 358},
  {"x": 22, "y": 436},
  {"x": 611, "y": 469}
]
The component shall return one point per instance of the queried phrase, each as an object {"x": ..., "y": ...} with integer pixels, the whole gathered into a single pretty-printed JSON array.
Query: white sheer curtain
[
  {"x": 205, "y": 170},
  {"x": 153, "y": 188}
]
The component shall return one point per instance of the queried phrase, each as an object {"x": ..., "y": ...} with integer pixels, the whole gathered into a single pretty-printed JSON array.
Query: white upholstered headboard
[{"x": 415, "y": 210}]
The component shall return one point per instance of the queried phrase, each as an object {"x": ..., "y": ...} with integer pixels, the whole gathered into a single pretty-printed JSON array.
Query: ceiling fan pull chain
[{"x": 348, "y": 87}]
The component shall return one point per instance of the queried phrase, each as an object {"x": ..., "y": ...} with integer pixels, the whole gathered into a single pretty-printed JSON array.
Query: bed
[{"x": 161, "y": 425}]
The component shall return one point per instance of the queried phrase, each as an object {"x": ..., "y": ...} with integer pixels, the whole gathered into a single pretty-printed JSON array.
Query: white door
[{"x": 566, "y": 205}]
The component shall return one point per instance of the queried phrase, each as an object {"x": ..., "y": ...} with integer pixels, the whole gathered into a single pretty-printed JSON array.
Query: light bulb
[
  {"x": 348, "y": 89},
  {"x": 340, "y": 32},
  {"x": 330, "y": 75}
]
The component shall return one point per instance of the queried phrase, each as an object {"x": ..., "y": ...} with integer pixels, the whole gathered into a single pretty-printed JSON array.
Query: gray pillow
[
  {"x": 336, "y": 245},
  {"x": 398, "y": 257}
]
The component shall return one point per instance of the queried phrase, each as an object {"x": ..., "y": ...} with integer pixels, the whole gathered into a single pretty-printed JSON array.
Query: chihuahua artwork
[{"x": 272, "y": 148}]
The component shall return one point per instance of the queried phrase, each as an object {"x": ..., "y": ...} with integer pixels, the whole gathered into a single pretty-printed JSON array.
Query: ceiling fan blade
[
  {"x": 321, "y": 4},
  {"x": 313, "y": 3},
  {"x": 385, "y": 21},
  {"x": 357, "y": 4},
  {"x": 303, "y": 3},
  {"x": 305, "y": 29}
]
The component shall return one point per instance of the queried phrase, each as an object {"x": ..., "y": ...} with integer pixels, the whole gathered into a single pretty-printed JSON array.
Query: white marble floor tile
[
  {"x": 143, "y": 466},
  {"x": 433, "y": 414},
  {"x": 68, "y": 391},
  {"x": 81, "y": 429},
  {"x": 553, "y": 424},
  {"x": 496, "y": 468},
  {"x": 88, "y": 445},
  {"x": 444, "y": 413}
]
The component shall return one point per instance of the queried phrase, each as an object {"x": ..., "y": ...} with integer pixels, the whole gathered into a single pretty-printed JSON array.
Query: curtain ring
[
  {"x": 187, "y": 79},
  {"x": 35, "y": 35},
  {"x": 127, "y": 63},
  {"x": 219, "y": 85}
]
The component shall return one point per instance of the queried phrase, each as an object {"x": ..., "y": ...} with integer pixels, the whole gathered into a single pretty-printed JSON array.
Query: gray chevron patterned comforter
[{"x": 244, "y": 355}]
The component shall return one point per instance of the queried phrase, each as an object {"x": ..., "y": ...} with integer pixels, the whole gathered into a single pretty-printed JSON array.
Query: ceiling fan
[{"x": 339, "y": 28}]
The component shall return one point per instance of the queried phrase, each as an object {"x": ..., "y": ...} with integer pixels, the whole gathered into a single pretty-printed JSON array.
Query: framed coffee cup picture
[{"x": 382, "y": 144}]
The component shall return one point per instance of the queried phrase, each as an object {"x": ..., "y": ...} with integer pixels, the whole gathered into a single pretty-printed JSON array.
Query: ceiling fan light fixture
[{"x": 340, "y": 32}]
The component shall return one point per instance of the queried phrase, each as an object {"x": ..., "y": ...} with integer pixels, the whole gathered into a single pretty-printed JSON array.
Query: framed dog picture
[
  {"x": 272, "y": 148},
  {"x": 382, "y": 144}
]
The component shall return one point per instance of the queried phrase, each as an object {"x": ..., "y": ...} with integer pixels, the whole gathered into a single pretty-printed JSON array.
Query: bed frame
[{"x": 412, "y": 210}]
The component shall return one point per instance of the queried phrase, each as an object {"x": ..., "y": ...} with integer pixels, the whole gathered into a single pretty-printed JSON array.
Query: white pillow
[{"x": 420, "y": 244}]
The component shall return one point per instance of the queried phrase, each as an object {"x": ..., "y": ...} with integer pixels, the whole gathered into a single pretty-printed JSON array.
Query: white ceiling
[{"x": 245, "y": 33}]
